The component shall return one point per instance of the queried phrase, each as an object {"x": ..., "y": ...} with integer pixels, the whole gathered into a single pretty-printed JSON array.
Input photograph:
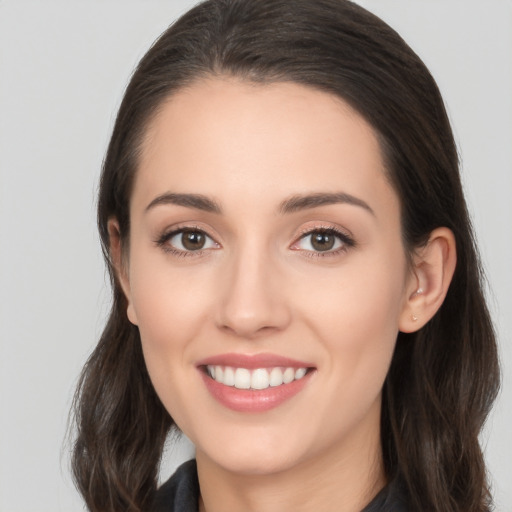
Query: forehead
[{"x": 226, "y": 138}]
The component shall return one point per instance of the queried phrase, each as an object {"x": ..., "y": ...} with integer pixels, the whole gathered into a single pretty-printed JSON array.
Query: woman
[{"x": 295, "y": 281}]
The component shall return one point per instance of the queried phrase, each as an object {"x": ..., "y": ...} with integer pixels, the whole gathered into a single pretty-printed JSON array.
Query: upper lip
[{"x": 253, "y": 361}]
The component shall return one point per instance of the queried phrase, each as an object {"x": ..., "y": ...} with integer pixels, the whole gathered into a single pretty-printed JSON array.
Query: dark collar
[{"x": 181, "y": 493}]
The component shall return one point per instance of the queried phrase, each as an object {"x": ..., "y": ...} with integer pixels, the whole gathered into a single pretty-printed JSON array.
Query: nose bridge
[{"x": 252, "y": 300}]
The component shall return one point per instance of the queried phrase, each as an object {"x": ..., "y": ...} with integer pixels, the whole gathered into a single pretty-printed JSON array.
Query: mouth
[
  {"x": 255, "y": 379},
  {"x": 254, "y": 383}
]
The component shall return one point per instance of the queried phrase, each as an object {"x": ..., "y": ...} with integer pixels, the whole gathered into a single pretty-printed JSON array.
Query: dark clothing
[{"x": 181, "y": 494}]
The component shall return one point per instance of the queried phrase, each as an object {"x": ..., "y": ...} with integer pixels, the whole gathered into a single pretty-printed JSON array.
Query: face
[{"x": 266, "y": 273}]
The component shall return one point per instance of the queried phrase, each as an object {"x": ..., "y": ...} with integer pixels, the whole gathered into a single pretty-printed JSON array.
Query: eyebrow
[
  {"x": 291, "y": 205},
  {"x": 304, "y": 202},
  {"x": 197, "y": 201}
]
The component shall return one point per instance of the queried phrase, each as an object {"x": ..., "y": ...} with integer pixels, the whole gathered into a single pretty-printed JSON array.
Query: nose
[{"x": 252, "y": 297}]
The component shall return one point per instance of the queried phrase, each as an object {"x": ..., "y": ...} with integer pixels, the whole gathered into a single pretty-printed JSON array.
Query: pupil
[
  {"x": 322, "y": 241},
  {"x": 193, "y": 240}
]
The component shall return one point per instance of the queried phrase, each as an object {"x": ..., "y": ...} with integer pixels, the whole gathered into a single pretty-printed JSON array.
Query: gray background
[{"x": 63, "y": 67}]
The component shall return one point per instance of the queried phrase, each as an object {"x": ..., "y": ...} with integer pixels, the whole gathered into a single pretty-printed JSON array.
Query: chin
[
  {"x": 254, "y": 453},
  {"x": 255, "y": 464}
]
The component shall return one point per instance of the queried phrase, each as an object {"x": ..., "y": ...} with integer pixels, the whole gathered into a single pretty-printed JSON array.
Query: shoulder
[
  {"x": 391, "y": 499},
  {"x": 180, "y": 493}
]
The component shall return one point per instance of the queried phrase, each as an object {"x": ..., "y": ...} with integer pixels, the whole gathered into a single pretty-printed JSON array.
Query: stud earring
[
  {"x": 414, "y": 318},
  {"x": 419, "y": 291}
]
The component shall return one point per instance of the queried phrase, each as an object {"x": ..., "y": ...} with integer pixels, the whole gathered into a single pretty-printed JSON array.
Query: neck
[{"x": 344, "y": 479}]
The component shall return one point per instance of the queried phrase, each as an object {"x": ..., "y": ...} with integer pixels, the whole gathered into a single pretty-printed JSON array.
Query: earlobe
[
  {"x": 116, "y": 257},
  {"x": 434, "y": 265}
]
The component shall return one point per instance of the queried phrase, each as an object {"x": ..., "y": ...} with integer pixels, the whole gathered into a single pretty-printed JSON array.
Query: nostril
[
  {"x": 249, "y": 303},
  {"x": 248, "y": 330}
]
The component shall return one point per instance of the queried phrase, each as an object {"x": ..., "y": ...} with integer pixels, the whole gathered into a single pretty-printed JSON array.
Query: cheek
[
  {"x": 171, "y": 311},
  {"x": 168, "y": 303},
  {"x": 357, "y": 317}
]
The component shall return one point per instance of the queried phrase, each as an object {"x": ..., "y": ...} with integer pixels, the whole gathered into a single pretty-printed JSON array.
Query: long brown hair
[{"x": 443, "y": 378}]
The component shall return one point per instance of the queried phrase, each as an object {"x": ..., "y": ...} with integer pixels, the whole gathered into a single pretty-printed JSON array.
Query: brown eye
[
  {"x": 193, "y": 240},
  {"x": 322, "y": 241},
  {"x": 328, "y": 241},
  {"x": 187, "y": 241}
]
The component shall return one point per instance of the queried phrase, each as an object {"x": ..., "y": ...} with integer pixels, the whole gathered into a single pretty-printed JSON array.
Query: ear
[
  {"x": 434, "y": 265},
  {"x": 120, "y": 266}
]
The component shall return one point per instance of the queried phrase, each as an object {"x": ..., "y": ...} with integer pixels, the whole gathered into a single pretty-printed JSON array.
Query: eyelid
[
  {"x": 343, "y": 235},
  {"x": 164, "y": 238},
  {"x": 346, "y": 238}
]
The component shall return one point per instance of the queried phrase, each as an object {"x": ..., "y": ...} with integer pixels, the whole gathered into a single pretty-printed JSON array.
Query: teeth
[
  {"x": 299, "y": 373},
  {"x": 261, "y": 378},
  {"x": 288, "y": 375},
  {"x": 242, "y": 378},
  {"x": 229, "y": 376},
  {"x": 276, "y": 377}
]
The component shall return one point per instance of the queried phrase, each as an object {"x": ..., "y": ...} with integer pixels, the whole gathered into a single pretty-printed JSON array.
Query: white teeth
[
  {"x": 260, "y": 378},
  {"x": 288, "y": 375},
  {"x": 299, "y": 373},
  {"x": 229, "y": 376},
  {"x": 276, "y": 377},
  {"x": 242, "y": 378}
]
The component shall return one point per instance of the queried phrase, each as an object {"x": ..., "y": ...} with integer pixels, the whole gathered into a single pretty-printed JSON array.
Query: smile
[
  {"x": 254, "y": 383},
  {"x": 256, "y": 379}
]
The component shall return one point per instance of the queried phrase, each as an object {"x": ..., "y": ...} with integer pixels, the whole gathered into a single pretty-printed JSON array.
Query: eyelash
[
  {"x": 346, "y": 241},
  {"x": 163, "y": 241}
]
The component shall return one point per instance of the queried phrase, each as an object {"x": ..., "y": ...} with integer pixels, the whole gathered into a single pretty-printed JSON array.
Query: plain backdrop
[{"x": 63, "y": 68}]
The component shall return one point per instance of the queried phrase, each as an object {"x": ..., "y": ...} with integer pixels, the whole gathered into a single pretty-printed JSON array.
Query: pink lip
[
  {"x": 250, "y": 400},
  {"x": 251, "y": 362}
]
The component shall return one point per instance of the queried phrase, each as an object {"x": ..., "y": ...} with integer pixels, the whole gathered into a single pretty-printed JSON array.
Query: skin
[{"x": 259, "y": 286}]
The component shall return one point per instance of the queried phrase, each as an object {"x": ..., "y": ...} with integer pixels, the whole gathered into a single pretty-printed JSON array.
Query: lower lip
[{"x": 252, "y": 400}]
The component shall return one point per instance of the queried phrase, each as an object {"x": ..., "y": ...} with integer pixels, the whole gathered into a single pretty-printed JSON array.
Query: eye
[
  {"x": 323, "y": 241},
  {"x": 186, "y": 241}
]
